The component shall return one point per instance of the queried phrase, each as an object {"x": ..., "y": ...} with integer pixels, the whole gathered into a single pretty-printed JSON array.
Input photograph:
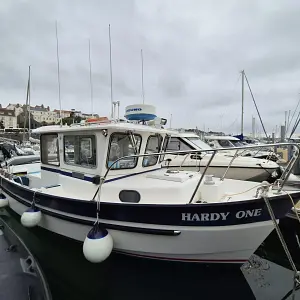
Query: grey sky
[{"x": 193, "y": 53}]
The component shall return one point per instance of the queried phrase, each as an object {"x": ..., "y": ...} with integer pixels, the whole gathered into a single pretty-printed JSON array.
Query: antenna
[
  {"x": 143, "y": 92},
  {"x": 58, "y": 74},
  {"x": 110, "y": 67},
  {"x": 91, "y": 81}
]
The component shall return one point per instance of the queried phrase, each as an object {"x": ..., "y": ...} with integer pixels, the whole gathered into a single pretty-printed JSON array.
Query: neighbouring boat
[
  {"x": 228, "y": 141},
  {"x": 20, "y": 273},
  {"x": 103, "y": 184},
  {"x": 242, "y": 168}
]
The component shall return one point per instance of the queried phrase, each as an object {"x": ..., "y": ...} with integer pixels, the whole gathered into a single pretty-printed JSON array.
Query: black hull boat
[{"x": 21, "y": 275}]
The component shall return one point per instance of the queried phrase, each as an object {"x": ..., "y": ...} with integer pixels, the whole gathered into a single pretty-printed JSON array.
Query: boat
[
  {"x": 20, "y": 273},
  {"x": 242, "y": 168},
  {"x": 227, "y": 141},
  {"x": 112, "y": 193}
]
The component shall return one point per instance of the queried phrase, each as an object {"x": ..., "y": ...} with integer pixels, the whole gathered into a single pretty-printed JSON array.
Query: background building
[{"x": 8, "y": 118}]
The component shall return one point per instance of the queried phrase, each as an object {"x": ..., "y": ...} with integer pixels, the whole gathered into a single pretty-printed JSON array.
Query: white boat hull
[
  {"x": 239, "y": 173},
  {"x": 206, "y": 244}
]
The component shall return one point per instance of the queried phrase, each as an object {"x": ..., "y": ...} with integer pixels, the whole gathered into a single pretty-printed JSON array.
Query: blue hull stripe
[{"x": 209, "y": 214}]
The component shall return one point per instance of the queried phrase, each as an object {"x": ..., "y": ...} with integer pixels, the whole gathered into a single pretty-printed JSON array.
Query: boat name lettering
[{"x": 220, "y": 216}]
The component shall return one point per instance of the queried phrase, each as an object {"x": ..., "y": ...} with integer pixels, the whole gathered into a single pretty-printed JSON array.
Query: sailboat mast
[
  {"x": 143, "y": 92},
  {"x": 110, "y": 68},
  {"x": 91, "y": 79},
  {"x": 58, "y": 73},
  {"x": 242, "y": 117},
  {"x": 29, "y": 125},
  {"x": 27, "y": 99}
]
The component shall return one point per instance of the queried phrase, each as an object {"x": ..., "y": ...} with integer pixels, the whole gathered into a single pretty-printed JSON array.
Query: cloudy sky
[{"x": 193, "y": 51}]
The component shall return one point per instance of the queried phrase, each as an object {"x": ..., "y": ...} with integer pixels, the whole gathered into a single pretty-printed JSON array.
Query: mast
[
  {"x": 110, "y": 68},
  {"x": 143, "y": 92},
  {"x": 29, "y": 120},
  {"x": 91, "y": 80},
  {"x": 242, "y": 117},
  {"x": 27, "y": 100},
  {"x": 58, "y": 74}
]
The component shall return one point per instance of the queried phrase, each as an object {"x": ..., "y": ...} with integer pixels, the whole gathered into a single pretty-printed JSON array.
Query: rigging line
[
  {"x": 295, "y": 125},
  {"x": 262, "y": 124},
  {"x": 293, "y": 115}
]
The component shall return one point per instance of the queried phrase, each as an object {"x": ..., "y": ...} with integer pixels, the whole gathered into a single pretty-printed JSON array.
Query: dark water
[{"x": 70, "y": 276}]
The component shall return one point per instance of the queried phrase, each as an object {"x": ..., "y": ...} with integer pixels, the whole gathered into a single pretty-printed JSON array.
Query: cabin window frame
[
  {"x": 109, "y": 146},
  {"x": 42, "y": 150},
  {"x": 94, "y": 150},
  {"x": 164, "y": 146},
  {"x": 159, "y": 146}
]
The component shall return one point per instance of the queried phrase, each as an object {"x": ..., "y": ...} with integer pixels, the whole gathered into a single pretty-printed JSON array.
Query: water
[{"x": 70, "y": 276}]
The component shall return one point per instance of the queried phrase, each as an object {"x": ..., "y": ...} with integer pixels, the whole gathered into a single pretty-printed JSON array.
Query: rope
[
  {"x": 283, "y": 243},
  {"x": 230, "y": 195}
]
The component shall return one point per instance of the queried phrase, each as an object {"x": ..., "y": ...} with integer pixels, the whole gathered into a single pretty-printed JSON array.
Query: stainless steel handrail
[{"x": 281, "y": 180}]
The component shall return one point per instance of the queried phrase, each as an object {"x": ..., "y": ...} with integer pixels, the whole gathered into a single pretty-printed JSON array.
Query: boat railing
[{"x": 279, "y": 183}]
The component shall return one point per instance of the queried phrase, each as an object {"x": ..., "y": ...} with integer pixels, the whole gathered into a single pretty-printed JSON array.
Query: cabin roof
[
  {"x": 94, "y": 127},
  {"x": 221, "y": 137},
  {"x": 186, "y": 135}
]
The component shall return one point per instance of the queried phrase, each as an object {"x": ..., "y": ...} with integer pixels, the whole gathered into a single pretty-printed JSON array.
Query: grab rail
[{"x": 281, "y": 181}]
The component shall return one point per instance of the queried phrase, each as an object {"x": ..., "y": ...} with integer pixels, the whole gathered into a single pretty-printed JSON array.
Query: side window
[
  {"x": 153, "y": 146},
  {"x": 176, "y": 144},
  {"x": 80, "y": 150},
  {"x": 122, "y": 144},
  {"x": 49, "y": 149}
]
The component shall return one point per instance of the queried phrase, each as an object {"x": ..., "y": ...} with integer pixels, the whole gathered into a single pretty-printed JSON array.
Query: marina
[{"x": 149, "y": 150}]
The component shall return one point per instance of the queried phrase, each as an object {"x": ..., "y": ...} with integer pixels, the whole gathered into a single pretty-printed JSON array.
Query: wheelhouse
[{"x": 86, "y": 152}]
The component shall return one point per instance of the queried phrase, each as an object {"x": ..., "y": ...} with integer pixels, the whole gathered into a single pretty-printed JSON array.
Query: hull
[
  {"x": 218, "y": 244},
  {"x": 227, "y": 232},
  {"x": 239, "y": 173}
]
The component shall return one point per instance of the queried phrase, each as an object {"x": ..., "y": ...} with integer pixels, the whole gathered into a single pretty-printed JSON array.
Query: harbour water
[{"x": 70, "y": 276}]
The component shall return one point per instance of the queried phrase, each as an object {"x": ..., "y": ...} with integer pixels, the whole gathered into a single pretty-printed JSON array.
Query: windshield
[
  {"x": 199, "y": 143},
  {"x": 225, "y": 144},
  {"x": 237, "y": 143}
]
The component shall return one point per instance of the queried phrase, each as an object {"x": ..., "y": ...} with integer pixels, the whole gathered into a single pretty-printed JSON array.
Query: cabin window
[
  {"x": 80, "y": 150},
  {"x": 153, "y": 146},
  {"x": 49, "y": 149},
  {"x": 225, "y": 143},
  {"x": 120, "y": 145},
  {"x": 177, "y": 144}
]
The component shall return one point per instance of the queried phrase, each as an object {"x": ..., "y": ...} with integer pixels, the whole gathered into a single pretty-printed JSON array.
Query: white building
[
  {"x": 16, "y": 107},
  {"x": 43, "y": 114},
  {"x": 8, "y": 117}
]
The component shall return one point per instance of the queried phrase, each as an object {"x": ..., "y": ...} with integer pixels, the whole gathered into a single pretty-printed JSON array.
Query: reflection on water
[{"x": 70, "y": 276}]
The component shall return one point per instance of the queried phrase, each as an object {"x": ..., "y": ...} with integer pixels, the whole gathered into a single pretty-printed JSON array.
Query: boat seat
[{"x": 24, "y": 180}]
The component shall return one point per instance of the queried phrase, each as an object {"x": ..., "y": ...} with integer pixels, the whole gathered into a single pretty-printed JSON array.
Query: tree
[{"x": 70, "y": 120}]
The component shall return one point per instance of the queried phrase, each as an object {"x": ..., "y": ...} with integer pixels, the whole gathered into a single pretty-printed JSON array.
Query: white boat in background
[
  {"x": 227, "y": 141},
  {"x": 242, "y": 168},
  {"x": 103, "y": 184}
]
